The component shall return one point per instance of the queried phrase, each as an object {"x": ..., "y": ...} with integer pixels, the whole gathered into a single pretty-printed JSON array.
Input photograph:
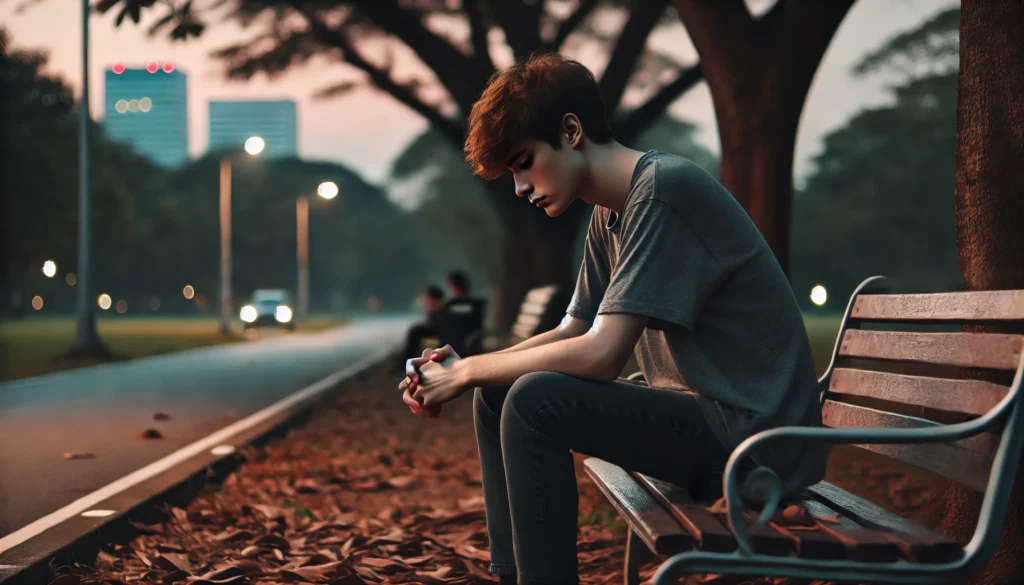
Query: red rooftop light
[
  {"x": 152, "y": 67},
  {"x": 118, "y": 68},
  {"x": 168, "y": 66}
]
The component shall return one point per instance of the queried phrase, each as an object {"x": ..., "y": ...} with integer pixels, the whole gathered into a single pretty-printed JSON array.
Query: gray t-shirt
[{"x": 724, "y": 321}]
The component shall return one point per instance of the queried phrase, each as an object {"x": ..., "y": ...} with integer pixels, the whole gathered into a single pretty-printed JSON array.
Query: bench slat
[
  {"x": 653, "y": 523},
  {"x": 968, "y": 396},
  {"x": 541, "y": 295},
  {"x": 968, "y": 350},
  {"x": 531, "y": 308},
  {"x": 1001, "y": 305},
  {"x": 709, "y": 532},
  {"x": 862, "y": 544},
  {"x": 810, "y": 542},
  {"x": 915, "y": 541},
  {"x": 966, "y": 461}
]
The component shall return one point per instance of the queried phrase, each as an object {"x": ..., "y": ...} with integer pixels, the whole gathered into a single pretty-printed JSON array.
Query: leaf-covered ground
[{"x": 365, "y": 493}]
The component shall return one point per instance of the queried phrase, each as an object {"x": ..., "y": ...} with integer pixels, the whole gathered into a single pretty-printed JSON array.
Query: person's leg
[
  {"x": 487, "y": 404},
  {"x": 660, "y": 433}
]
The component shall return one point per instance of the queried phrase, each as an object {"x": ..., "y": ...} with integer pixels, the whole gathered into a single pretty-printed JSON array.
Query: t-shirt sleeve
[
  {"x": 664, "y": 270},
  {"x": 593, "y": 277}
]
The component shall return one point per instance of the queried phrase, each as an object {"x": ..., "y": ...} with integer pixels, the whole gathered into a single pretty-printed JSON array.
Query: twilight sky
[{"x": 366, "y": 128}]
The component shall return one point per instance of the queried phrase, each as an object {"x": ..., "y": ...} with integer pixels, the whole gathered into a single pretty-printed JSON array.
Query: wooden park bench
[
  {"x": 969, "y": 431},
  {"x": 542, "y": 310}
]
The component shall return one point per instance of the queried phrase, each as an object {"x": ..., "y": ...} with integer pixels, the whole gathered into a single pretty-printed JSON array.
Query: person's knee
[{"x": 530, "y": 397}]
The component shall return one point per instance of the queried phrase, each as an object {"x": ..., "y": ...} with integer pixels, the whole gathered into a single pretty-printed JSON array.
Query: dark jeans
[{"x": 525, "y": 434}]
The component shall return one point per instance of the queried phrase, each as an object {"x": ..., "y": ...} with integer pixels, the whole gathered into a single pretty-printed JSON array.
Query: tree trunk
[
  {"x": 759, "y": 72},
  {"x": 536, "y": 251},
  {"x": 989, "y": 217},
  {"x": 757, "y": 138}
]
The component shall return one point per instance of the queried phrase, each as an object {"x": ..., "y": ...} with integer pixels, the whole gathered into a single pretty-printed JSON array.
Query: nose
[{"x": 523, "y": 189}]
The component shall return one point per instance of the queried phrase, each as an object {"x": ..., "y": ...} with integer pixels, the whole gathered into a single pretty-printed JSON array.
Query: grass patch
[{"x": 34, "y": 346}]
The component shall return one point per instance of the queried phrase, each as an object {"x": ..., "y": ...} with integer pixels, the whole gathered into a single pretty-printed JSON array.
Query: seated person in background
[
  {"x": 461, "y": 321},
  {"x": 432, "y": 302}
]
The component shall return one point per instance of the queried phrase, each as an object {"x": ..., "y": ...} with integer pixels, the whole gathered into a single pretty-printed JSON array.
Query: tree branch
[
  {"x": 630, "y": 45},
  {"x": 571, "y": 23},
  {"x": 447, "y": 127},
  {"x": 478, "y": 33},
  {"x": 628, "y": 127},
  {"x": 521, "y": 24},
  {"x": 460, "y": 75}
]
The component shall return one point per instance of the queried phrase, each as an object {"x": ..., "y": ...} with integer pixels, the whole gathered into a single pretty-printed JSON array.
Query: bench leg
[{"x": 637, "y": 554}]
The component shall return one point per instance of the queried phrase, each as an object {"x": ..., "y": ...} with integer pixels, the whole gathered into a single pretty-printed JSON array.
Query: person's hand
[
  {"x": 413, "y": 378},
  {"x": 440, "y": 383}
]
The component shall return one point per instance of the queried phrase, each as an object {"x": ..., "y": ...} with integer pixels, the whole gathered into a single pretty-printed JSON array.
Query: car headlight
[
  {"x": 283, "y": 314},
  {"x": 248, "y": 314}
]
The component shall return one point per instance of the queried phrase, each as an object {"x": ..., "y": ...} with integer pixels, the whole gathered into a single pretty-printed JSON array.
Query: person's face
[
  {"x": 432, "y": 304},
  {"x": 550, "y": 178}
]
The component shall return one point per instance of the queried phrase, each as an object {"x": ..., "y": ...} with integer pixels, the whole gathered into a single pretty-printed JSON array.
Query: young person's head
[
  {"x": 458, "y": 283},
  {"x": 535, "y": 119},
  {"x": 433, "y": 298}
]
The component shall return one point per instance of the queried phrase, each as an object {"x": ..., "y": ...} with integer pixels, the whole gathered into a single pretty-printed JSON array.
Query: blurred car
[{"x": 273, "y": 307}]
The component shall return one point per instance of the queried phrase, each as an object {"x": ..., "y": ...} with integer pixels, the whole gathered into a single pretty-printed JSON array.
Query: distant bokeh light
[
  {"x": 188, "y": 292},
  {"x": 118, "y": 68},
  {"x": 254, "y": 145},
  {"x": 121, "y": 106},
  {"x": 103, "y": 301},
  {"x": 327, "y": 190},
  {"x": 122, "y": 306},
  {"x": 152, "y": 67},
  {"x": 168, "y": 66},
  {"x": 819, "y": 295},
  {"x": 133, "y": 105},
  {"x": 37, "y": 302},
  {"x": 49, "y": 268},
  {"x": 145, "y": 104},
  {"x": 71, "y": 279}
]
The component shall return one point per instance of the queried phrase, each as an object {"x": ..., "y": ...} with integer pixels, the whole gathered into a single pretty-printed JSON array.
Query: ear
[{"x": 571, "y": 130}]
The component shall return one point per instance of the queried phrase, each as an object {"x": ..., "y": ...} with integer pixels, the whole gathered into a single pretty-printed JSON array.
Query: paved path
[{"x": 103, "y": 409}]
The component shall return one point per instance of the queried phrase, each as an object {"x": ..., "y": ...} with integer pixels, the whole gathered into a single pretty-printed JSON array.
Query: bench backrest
[
  {"x": 861, "y": 350},
  {"x": 461, "y": 323},
  {"x": 542, "y": 309}
]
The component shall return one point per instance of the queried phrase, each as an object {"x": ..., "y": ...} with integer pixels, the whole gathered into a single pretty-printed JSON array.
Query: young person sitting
[{"x": 675, "y": 273}]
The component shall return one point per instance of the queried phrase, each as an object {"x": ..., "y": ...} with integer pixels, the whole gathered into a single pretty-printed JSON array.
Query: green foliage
[{"x": 880, "y": 198}]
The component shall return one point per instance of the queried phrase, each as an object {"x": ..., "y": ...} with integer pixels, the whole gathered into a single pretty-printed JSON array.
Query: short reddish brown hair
[{"x": 528, "y": 101}]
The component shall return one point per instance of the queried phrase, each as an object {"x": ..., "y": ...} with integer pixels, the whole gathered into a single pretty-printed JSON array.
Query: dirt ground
[{"x": 368, "y": 493}]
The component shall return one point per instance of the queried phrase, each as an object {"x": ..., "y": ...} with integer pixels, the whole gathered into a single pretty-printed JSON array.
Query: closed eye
[{"x": 526, "y": 162}]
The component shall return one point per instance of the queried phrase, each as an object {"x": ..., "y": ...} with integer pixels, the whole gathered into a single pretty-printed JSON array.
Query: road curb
[{"x": 66, "y": 536}]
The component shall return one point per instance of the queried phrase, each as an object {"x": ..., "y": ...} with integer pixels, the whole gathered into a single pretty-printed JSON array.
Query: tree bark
[
  {"x": 759, "y": 72},
  {"x": 536, "y": 250},
  {"x": 989, "y": 216}
]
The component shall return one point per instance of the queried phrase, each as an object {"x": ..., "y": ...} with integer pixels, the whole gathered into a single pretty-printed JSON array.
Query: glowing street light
[
  {"x": 49, "y": 268},
  {"x": 188, "y": 292},
  {"x": 327, "y": 190},
  {"x": 819, "y": 295},
  {"x": 254, "y": 145},
  {"x": 103, "y": 301}
]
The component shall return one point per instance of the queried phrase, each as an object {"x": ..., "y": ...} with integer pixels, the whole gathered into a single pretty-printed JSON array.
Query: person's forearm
[
  {"x": 556, "y": 334},
  {"x": 578, "y": 356}
]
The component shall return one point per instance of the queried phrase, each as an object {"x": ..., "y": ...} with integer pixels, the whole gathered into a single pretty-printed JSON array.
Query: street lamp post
[
  {"x": 86, "y": 342},
  {"x": 254, "y": 146},
  {"x": 326, "y": 190}
]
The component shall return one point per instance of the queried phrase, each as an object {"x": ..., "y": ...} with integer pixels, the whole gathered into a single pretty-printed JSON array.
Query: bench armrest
[{"x": 769, "y": 485}]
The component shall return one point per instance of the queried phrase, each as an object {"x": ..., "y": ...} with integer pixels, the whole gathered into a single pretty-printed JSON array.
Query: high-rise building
[
  {"x": 232, "y": 122},
  {"x": 147, "y": 108}
]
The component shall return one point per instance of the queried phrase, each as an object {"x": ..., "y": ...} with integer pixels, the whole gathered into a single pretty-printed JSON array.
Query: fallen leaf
[
  {"x": 161, "y": 416},
  {"x": 384, "y": 566},
  {"x": 223, "y": 573},
  {"x": 235, "y": 536},
  {"x": 400, "y": 481},
  {"x": 310, "y": 574},
  {"x": 172, "y": 562},
  {"x": 70, "y": 456},
  {"x": 150, "y": 434}
]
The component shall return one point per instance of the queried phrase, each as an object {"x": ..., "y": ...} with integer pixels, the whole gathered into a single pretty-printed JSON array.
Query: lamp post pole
[
  {"x": 302, "y": 253},
  {"x": 225, "y": 246}
]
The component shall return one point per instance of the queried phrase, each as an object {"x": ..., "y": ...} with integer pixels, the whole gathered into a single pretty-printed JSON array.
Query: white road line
[{"x": 161, "y": 465}]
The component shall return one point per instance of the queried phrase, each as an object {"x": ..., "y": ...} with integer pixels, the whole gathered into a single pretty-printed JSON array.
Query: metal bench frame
[{"x": 976, "y": 553}]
